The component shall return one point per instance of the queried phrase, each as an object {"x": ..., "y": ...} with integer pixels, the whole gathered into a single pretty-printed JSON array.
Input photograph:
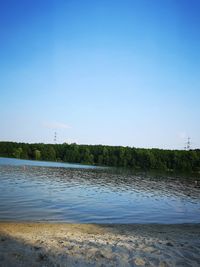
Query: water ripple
[{"x": 98, "y": 195}]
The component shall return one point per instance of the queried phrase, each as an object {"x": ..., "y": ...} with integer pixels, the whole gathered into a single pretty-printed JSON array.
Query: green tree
[
  {"x": 87, "y": 157},
  {"x": 48, "y": 153},
  {"x": 18, "y": 152},
  {"x": 37, "y": 154}
]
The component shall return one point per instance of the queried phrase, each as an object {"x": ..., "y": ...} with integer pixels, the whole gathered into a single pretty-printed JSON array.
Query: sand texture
[{"x": 60, "y": 245}]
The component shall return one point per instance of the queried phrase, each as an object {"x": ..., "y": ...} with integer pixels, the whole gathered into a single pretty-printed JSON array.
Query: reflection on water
[{"x": 71, "y": 193}]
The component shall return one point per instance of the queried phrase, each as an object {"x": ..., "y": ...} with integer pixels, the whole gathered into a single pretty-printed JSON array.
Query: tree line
[{"x": 116, "y": 156}]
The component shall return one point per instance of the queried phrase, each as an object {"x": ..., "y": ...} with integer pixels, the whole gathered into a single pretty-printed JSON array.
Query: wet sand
[{"x": 60, "y": 245}]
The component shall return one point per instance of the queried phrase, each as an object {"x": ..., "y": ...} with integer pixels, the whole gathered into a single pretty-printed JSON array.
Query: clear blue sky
[{"x": 100, "y": 72}]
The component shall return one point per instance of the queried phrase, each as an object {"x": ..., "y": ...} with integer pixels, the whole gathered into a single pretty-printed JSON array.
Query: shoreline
[{"x": 63, "y": 244}]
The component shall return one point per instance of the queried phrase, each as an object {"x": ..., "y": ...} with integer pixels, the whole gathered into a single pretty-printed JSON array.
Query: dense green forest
[{"x": 117, "y": 156}]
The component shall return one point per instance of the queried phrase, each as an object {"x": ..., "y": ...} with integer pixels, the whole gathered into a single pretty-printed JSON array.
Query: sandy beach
[{"x": 46, "y": 244}]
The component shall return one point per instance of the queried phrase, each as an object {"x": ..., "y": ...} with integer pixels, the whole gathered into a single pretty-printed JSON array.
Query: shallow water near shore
[{"x": 56, "y": 192}]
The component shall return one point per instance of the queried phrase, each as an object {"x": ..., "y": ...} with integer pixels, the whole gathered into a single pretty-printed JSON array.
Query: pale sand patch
[{"x": 46, "y": 244}]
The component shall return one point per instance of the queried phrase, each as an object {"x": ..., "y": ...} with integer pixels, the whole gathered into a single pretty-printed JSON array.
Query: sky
[{"x": 113, "y": 72}]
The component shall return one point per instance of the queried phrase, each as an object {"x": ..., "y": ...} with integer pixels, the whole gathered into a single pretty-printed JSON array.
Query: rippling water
[{"x": 45, "y": 191}]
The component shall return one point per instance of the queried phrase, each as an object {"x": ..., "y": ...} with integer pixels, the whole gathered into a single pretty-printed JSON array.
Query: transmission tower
[
  {"x": 188, "y": 144},
  {"x": 55, "y": 137}
]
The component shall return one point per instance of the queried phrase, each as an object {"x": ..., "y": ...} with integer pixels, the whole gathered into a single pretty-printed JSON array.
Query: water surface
[{"x": 60, "y": 192}]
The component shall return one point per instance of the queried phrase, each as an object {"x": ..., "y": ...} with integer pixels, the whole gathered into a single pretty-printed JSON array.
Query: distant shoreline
[
  {"x": 119, "y": 169},
  {"x": 102, "y": 155},
  {"x": 58, "y": 244}
]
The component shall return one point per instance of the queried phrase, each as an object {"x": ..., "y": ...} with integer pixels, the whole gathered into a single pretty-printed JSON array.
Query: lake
[{"x": 62, "y": 192}]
